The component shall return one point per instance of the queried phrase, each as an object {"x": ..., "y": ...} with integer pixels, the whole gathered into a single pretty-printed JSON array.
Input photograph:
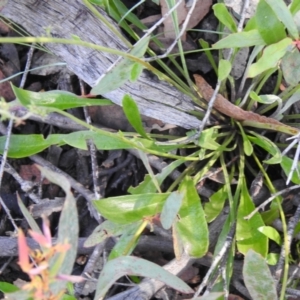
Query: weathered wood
[{"x": 155, "y": 98}]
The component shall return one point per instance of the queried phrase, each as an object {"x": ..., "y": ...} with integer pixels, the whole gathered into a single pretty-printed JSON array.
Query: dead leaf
[
  {"x": 151, "y": 20},
  {"x": 225, "y": 107},
  {"x": 201, "y": 9},
  {"x": 32, "y": 173},
  {"x": 5, "y": 89},
  {"x": 169, "y": 31}
]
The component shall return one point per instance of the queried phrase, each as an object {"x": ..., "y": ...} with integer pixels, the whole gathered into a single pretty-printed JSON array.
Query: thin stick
[
  {"x": 89, "y": 267},
  {"x": 262, "y": 206},
  {"x": 182, "y": 31},
  {"x": 25, "y": 185},
  {"x": 296, "y": 157},
  {"x": 216, "y": 91},
  {"x": 27, "y": 67},
  {"x": 216, "y": 260},
  {"x": 92, "y": 149}
]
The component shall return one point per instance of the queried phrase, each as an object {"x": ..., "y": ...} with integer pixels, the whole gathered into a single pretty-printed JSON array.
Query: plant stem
[
  {"x": 135, "y": 237},
  {"x": 130, "y": 143},
  {"x": 284, "y": 228}
]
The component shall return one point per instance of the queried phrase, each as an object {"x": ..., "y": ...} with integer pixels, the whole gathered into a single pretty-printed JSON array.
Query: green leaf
[
  {"x": 147, "y": 186},
  {"x": 170, "y": 210},
  {"x": 240, "y": 40},
  {"x": 30, "y": 220},
  {"x": 297, "y": 229},
  {"x": 286, "y": 165},
  {"x": 127, "y": 265},
  {"x": 268, "y": 145},
  {"x": 251, "y": 24},
  {"x": 206, "y": 48},
  {"x": 130, "y": 208},
  {"x": 292, "y": 100},
  {"x": 290, "y": 65},
  {"x": 102, "y": 141},
  {"x": 265, "y": 99},
  {"x": 208, "y": 138},
  {"x": 268, "y": 99},
  {"x": 284, "y": 15},
  {"x": 133, "y": 115},
  {"x": 247, "y": 234},
  {"x": 223, "y": 15},
  {"x": 294, "y": 7},
  {"x": 114, "y": 12},
  {"x": 215, "y": 205},
  {"x": 224, "y": 69},
  {"x": 136, "y": 71},
  {"x": 127, "y": 242},
  {"x": 224, "y": 234},
  {"x": 57, "y": 99},
  {"x": 248, "y": 148},
  {"x": 272, "y": 259},
  {"x": 103, "y": 231},
  {"x": 144, "y": 158},
  {"x": 120, "y": 73},
  {"x": 271, "y": 233},
  {"x": 98, "y": 2},
  {"x": 270, "y": 58},
  {"x": 6, "y": 287},
  {"x": 24, "y": 145},
  {"x": 151, "y": 144},
  {"x": 131, "y": 17},
  {"x": 191, "y": 216},
  {"x": 258, "y": 278},
  {"x": 270, "y": 215},
  {"x": 267, "y": 23}
]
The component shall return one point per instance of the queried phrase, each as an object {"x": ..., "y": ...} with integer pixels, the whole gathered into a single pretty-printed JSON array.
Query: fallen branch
[{"x": 156, "y": 99}]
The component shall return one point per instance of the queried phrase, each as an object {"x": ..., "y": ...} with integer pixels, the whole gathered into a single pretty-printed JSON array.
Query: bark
[
  {"x": 9, "y": 245},
  {"x": 155, "y": 98}
]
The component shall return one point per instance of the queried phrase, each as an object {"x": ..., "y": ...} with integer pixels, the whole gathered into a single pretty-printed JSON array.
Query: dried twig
[
  {"x": 181, "y": 33},
  {"x": 262, "y": 206},
  {"x": 296, "y": 157},
  {"x": 217, "y": 260}
]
